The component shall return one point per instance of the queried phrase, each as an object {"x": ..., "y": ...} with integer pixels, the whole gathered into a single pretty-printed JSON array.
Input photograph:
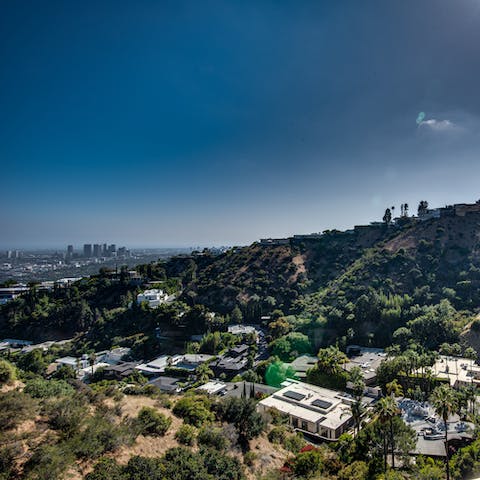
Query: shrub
[
  {"x": 66, "y": 415},
  {"x": 249, "y": 458},
  {"x": 307, "y": 463},
  {"x": 49, "y": 461},
  {"x": 213, "y": 438},
  {"x": 101, "y": 435},
  {"x": 221, "y": 466},
  {"x": 106, "y": 469},
  {"x": 151, "y": 422},
  {"x": 277, "y": 434},
  {"x": 7, "y": 372},
  {"x": 15, "y": 407},
  {"x": 181, "y": 463},
  {"x": 142, "y": 468},
  {"x": 294, "y": 442},
  {"x": 194, "y": 410},
  {"x": 7, "y": 460},
  {"x": 186, "y": 434},
  {"x": 41, "y": 388},
  {"x": 357, "y": 470}
]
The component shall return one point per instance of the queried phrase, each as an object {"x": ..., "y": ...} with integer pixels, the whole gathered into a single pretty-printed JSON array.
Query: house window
[
  {"x": 295, "y": 422},
  {"x": 305, "y": 426}
]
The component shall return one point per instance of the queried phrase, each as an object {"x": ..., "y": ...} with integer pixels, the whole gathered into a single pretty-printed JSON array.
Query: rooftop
[
  {"x": 311, "y": 403},
  {"x": 457, "y": 370}
]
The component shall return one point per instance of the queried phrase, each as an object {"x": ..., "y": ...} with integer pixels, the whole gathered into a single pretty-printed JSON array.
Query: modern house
[
  {"x": 120, "y": 371},
  {"x": 459, "y": 372},
  {"x": 317, "y": 411},
  {"x": 187, "y": 362},
  {"x": 367, "y": 359},
  {"x": 241, "y": 329},
  {"x": 153, "y": 297},
  {"x": 234, "y": 362},
  {"x": 302, "y": 364}
]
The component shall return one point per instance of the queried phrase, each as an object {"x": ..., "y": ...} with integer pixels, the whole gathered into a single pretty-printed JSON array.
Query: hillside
[
  {"x": 322, "y": 280},
  {"x": 361, "y": 285},
  {"x": 259, "y": 277}
]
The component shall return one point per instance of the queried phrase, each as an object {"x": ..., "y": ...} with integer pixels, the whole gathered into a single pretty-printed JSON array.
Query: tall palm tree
[
  {"x": 444, "y": 402},
  {"x": 385, "y": 410},
  {"x": 357, "y": 410},
  {"x": 471, "y": 394}
]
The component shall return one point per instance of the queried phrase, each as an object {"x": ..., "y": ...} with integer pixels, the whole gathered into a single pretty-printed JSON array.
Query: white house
[
  {"x": 319, "y": 411},
  {"x": 241, "y": 329},
  {"x": 153, "y": 297}
]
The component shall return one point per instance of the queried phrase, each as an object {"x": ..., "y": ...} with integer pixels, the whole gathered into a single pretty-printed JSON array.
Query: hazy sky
[{"x": 190, "y": 123}]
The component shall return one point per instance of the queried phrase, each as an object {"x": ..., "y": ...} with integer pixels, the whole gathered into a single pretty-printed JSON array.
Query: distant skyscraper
[
  {"x": 112, "y": 250},
  {"x": 87, "y": 250},
  {"x": 97, "y": 250},
  {"x": 104, "y": 250},
  {"x": 69, "y": 250}
]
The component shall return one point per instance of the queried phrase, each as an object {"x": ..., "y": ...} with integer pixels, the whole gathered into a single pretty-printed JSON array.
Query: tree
[
  {"x": 277, "y": 372},
  {"x": 357, "y": 410},
  {"x": 331, "y": 359},
  {"x": 307, "y": 463},
  {"x": 422, "y": 207},
  {"x": 92, "y": 359},
  {"x": 236, "y": 316},
  {"x": 444, "y": 402},
  {"x": 204, "y": 372},
  {"x": 470, "y": 353},
  {"x": 66, "y": 415},
  {"x": 279, "y": 327},
  {"x": 394, "y": 389},
  {"x": 33, "y": 361},
  {"x": 385, "y": 410},
  {"x": 242, "y": 413},
  {"x": 387, "y": 218},
  {"x": 194, "y": 410}
]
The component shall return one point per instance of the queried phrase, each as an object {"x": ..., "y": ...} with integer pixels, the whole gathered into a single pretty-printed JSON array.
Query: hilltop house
[
  {"x": 153, "y": 297},
  {"x": 317, "y": 411}
]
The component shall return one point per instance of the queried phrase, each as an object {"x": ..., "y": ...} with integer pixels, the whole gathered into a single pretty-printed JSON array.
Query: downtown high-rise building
[
  {"x": 87, "y": 250},
  {"x": 97, "y": 250}
]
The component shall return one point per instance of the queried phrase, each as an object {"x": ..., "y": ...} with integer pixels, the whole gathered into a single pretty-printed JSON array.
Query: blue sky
[{"x": 193, "y": 123}]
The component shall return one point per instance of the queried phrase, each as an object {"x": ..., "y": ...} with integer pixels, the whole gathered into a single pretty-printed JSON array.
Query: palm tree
[
  {"x": 444, "y": 402},
  {"x": 330, "y": 359},
  {"x": 357, "y": 410},
  {"x": 204, "y": 373},
  {"x": 394, "y": 389},
  {"x": 92, "y": 358},
  {"x": 471, "y": 394},
  {"x": 385, "y": 410}
]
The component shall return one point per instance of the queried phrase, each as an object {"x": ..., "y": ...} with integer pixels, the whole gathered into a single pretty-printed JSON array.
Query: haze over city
[{"x": 202, "y": 123}]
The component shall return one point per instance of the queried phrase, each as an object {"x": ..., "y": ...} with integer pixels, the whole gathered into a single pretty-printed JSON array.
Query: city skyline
[{"x": 177, "y": 124}]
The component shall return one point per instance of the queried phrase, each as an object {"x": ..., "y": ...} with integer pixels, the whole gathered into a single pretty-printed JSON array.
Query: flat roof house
[
  {"x": 460, "y": 372},
  {"x": 153, "y": 297},
  {"x": 315, "y": 410}
]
